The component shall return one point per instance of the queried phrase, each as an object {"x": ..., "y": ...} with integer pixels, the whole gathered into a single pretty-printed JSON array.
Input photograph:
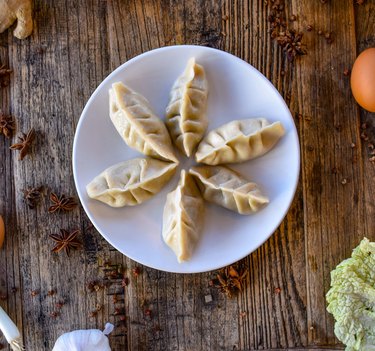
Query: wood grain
[
  {"x": 74, "y": 46},
  {"x": 332, "y": 169}
]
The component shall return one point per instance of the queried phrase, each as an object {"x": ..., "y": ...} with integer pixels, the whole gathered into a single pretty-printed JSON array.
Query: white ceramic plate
[{"x": 236, "y": 91}]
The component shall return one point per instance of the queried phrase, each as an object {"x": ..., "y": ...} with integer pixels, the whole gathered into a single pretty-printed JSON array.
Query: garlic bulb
[
  {"x": 11, "y": 332},
  {"x": 84, "y": 340}
]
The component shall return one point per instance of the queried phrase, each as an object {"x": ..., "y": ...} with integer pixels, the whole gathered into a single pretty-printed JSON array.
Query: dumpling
[
  {"x": 239, "y": 141},
  {"x": 137, "y": 124},
  {"x": 183, "y": 217},
  {"x": 131, "y": 182},
  {"x": 222, "y": 186},
  {"x": 186, "y": 111}
]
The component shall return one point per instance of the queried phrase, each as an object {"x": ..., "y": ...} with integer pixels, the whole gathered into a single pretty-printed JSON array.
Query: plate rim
[{"x": 239, "y": 60}]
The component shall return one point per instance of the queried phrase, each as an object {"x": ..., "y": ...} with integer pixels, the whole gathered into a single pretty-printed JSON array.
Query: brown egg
[
  {"x": 363, "y": 79},
  {"x": 2, "y": 232}
]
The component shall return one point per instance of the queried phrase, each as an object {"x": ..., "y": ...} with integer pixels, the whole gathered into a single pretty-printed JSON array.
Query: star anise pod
[
  {"x": 7, "y": 124},
  {"x": 25, "y": 143},
  {"x": 62, "y": 203},
  {"x": 290, "y": 41},
  {"x": 32, "y": 196},
  {"x": 4, "y": 75},
  {"x": 66, "y": 241},
  {"x": 224, "y": 285},
  {"x": 230, "y": 279}
]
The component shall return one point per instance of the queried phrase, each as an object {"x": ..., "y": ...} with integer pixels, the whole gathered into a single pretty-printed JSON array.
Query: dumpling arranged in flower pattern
[
  {"x": 224, "y": 187},
  {"x": 186, "y": 111},
  {"x": 138, "y": 125},
  {"x": 131, "y": 182},
  {"x": 183, "y": 217},
  {"x": 239, "y": 141},
  {"x": 134, "y": 181}
]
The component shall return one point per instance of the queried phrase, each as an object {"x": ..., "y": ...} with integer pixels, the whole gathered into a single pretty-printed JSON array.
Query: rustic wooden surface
[{"x": 74, "y": 46}]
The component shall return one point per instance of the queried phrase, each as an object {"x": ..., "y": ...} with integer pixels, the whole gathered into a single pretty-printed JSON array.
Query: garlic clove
[
  {"x": 108, "y": 328},
  {"x": 84, "y": 340}
]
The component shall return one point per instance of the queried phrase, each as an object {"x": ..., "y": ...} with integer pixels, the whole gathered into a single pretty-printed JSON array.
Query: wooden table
[{"x": 74, "y": 46}]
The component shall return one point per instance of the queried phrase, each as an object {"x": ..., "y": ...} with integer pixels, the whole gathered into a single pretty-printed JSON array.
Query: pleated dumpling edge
[
  {"x": 239, "y": 141},
  {"x": 131, "y": 182},
  {"x": 137, "y": 123},
  {"x": 183, "y": 218},
  {"x": 227, "y": 188},
  {"x": 186, "y": 111}
]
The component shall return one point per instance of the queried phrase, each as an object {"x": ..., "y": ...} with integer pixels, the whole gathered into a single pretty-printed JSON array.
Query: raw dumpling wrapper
[
  {"x": 183, "y": 217},
  {"x": 137, "y": 124},
  {"x": 239, "y": 141},
  {"x": 131, "y": 182},
  {"x": 222, "y": 186},
  {"x": 186, "y": 111}
]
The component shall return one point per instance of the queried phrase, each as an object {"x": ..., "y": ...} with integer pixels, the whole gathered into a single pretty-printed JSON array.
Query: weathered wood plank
[
  {"x": 9, "y": 268},
  {"x": 332, "y": 179}
]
